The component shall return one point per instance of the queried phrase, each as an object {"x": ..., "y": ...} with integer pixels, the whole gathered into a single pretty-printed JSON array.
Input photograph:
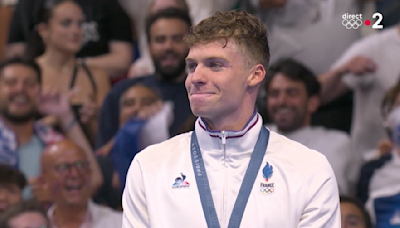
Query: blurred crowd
[{"x": 86, "y": 85}]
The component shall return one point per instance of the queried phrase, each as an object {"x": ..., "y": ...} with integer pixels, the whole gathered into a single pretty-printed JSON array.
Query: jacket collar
[
  {"x": 235, "y": 141},
  {"x": 91, "y": 213}
]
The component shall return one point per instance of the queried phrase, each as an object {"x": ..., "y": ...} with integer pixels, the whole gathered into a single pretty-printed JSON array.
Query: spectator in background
[
  {"x": 12, "y": 182},
  {"x": 107, "y": 34},
  {"x": 142, "y": 123},
  {"x": 165, "y": 31},
  {"x": 307, "y": 30},
  {"x": 25, "y": 214},
  {"x": 198, "y": 10},
  {"x": 354, "y": 214},
  {"x": 61, "y": 70},
  {"x": 140, "y": 127},
  {"x": 66, "y": 168},
  {"x": 144, "y": 65},
  {"x": 292, "y": 97},
  {"x": 6, "y": 10},
  {"x": 379, "y": 184},
  {"x": 312, "y": 32},
  {"x": 369, "y": 68},
  {"x": 22, "y": 138},
  {"x": 134, "y": 104}
]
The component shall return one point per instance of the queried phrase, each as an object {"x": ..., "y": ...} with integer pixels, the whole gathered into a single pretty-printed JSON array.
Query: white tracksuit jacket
[{"x": 304, "y": 192}]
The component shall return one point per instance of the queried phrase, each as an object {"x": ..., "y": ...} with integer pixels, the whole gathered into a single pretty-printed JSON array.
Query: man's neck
[
  {"x": 178, "y": 79},
  {"x": 61, "y": 62},
  {"x": 70, "y": 216},
  {"x": 232, "y": 122},
  {"x": 23, "y": 131}
]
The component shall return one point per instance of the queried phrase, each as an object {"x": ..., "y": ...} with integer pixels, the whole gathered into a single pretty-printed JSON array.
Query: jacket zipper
[
  {"x": 223, "y": 190},
  {"x": 224, "y": 143}
]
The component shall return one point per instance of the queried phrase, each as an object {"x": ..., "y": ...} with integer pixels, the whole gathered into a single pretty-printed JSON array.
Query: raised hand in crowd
[
  {"x": 89, "y": 110},
  {"x": 144, "y": 113},
  {"x": 106, "y": 149},
  {"x": 359, "y": 65},
  {"x": 41, "y": 190},
  {"x": 149, "y": 111},
  {"x": 384, "y": 147},
  {"x": 55, "y": 103}
]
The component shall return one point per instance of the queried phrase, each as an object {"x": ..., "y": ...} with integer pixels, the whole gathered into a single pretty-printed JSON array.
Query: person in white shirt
[
  {"x": 201, "y": 178},
  {"x": 307, "y": 30},
  {"x": 369, "y": 68},
  {"x": 311, "y": 31},
  {"x": 66, "y": 174},
  {"x": 380, "y": 180},
  {"x": 292, "y": 98}
]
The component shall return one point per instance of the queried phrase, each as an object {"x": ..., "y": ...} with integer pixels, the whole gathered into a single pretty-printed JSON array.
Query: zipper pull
[{"x": 223, "y": 138}]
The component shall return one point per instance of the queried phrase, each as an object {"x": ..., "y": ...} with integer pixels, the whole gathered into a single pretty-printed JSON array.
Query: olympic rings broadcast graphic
[
  {"x": 266, "y": 190},
  {"x": 352, "y": 23}
]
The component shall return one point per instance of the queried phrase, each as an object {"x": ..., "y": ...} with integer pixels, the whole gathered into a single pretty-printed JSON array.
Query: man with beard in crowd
[
  {"x": 22, "y": 139},
  {"x": 165, "y": 30}
]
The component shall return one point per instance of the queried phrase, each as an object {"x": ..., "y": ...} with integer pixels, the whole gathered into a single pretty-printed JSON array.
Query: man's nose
[
  {"x": 73, "y": 171},
  {"x": 19, "y": 86},
  {"x": 168, "y": 44},
  {"x": 282, "y": 98},
  {"x": 199, "y": 75}
]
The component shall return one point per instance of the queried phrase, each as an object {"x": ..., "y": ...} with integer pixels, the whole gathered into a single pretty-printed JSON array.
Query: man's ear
[
  {"x": 313, "y": 104},
  {"x": 256, "y": 76}
]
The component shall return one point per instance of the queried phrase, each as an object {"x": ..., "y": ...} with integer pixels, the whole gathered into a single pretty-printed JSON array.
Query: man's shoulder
[
  {"x": 158, "y": 152},
  {"x": 306, "y": 160},
  {"x": 103, "y": 213},
  {"x": 375, "y": 40},
  {"x": 332, "y": 134}
]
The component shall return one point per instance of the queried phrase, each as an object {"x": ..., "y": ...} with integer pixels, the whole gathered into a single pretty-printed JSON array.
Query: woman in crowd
[
  {"x": 56, "y": 40},
  {"x": 354, "y": 214}
]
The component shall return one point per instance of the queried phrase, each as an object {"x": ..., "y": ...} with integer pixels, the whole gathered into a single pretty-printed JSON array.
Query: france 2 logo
[{"x": 354, "y": 21}]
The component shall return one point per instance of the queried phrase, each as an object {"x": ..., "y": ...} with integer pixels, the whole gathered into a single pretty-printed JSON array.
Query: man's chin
[
  {"x": 19, "y": 118},
  {"x": 285, "y": 128},
  {"x": 201, "y": 111},
  {"x": 170, "y": 73}
]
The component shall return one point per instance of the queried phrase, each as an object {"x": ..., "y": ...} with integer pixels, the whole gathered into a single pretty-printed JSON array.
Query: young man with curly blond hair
[{"x": 230, "y": 171}]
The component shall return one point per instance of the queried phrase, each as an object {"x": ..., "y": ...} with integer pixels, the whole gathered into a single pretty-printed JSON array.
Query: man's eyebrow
[
  {"x": 217, "y": 58},
  {"x": 190, "y": 60},
  {"x": 209, "y": 58}
]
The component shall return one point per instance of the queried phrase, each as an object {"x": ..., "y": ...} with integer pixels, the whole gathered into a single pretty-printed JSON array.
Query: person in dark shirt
[
  {"x": 165, "y": 30},
  {"x": 107, "y": 32}
]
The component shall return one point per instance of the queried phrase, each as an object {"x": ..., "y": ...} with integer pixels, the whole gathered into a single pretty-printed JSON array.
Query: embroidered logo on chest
[
  {"x": 180, "y": 182},
  {"x": 267, "y": 188}
]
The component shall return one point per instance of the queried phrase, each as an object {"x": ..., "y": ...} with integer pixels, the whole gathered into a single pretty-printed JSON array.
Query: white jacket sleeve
[
  {"x": 322, "y": 210},
  {"x": 134, "y": 199}
]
